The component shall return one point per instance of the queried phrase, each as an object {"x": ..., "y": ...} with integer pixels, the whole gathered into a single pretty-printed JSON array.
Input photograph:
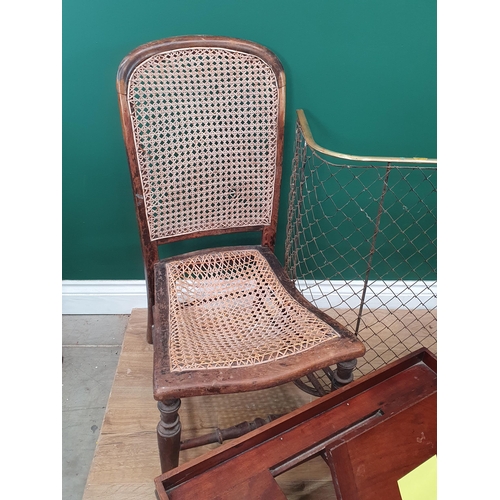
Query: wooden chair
[{"x": 203, "y": 121}]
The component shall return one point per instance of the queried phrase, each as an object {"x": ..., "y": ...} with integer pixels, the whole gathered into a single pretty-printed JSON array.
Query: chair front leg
[
  {"x": 169, "y": 434},
  {"x": 343, "y": 374}
]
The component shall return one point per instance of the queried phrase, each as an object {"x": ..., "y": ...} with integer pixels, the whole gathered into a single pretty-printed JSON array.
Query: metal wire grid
[{"x": 361, "y": 244}]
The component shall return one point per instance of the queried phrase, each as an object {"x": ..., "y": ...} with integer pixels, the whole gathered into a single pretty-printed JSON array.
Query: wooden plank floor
[
  {"x": 126, "y": 459},
  {"x": 390, "y": 334}
]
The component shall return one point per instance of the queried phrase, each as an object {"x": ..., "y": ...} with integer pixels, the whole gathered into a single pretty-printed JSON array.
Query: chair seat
[{"x": 230, "y": 309}]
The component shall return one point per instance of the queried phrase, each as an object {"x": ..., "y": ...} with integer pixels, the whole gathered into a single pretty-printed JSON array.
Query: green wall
[{"x": 363, "y": 70}]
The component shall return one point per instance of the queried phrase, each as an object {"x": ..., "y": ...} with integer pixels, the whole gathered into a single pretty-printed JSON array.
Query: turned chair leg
[
  {"x": 169, "y": 434},
  {"x": 343, "y": 374}
]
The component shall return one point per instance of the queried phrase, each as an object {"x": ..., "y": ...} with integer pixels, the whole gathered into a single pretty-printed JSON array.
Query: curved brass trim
[{"x": 306, "y": 131}]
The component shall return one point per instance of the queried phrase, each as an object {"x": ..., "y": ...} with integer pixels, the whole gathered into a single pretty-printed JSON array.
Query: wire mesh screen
[{"x": 361, "y": 244}]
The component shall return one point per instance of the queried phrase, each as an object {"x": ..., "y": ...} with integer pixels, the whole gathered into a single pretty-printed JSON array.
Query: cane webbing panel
[
  {"x": 205, "y": 129},
  {"x": 228, "y": 309}
]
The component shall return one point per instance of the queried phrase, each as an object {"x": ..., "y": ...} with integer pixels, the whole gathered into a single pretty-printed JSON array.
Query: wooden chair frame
[{"x": 170, "y": 386}]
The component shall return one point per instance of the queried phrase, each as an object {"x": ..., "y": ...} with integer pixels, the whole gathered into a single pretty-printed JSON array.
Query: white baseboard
[
  {"x": 121, "y": 296},
  {"x": 103, "y": 296},
  {"x": 379, "y": 293}
]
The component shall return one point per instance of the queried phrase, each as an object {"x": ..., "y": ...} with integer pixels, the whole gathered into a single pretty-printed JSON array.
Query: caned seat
[
  {"x": 233, "y": 314},
  {"x": 203, "y": 120},
  {"x": 228, "y": 309}
]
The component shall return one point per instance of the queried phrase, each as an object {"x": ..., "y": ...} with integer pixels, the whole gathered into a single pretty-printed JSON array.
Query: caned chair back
[{"x": 203, "y": 123}]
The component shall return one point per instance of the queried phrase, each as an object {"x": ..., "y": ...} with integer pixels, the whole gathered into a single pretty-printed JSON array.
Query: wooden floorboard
[{"x": 126, "y": 458}]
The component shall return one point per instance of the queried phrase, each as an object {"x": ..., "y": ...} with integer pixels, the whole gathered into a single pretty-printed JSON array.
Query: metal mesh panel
[
  {"x": 361, "y": 244},
  {"x": 205, "y": 128}
]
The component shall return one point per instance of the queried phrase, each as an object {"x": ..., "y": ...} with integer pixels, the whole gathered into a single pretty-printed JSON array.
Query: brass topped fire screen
[{"x": 361, "y": 244}]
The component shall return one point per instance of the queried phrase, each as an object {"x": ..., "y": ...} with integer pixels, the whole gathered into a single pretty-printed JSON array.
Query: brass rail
[{"x": 306, "y": 131}]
